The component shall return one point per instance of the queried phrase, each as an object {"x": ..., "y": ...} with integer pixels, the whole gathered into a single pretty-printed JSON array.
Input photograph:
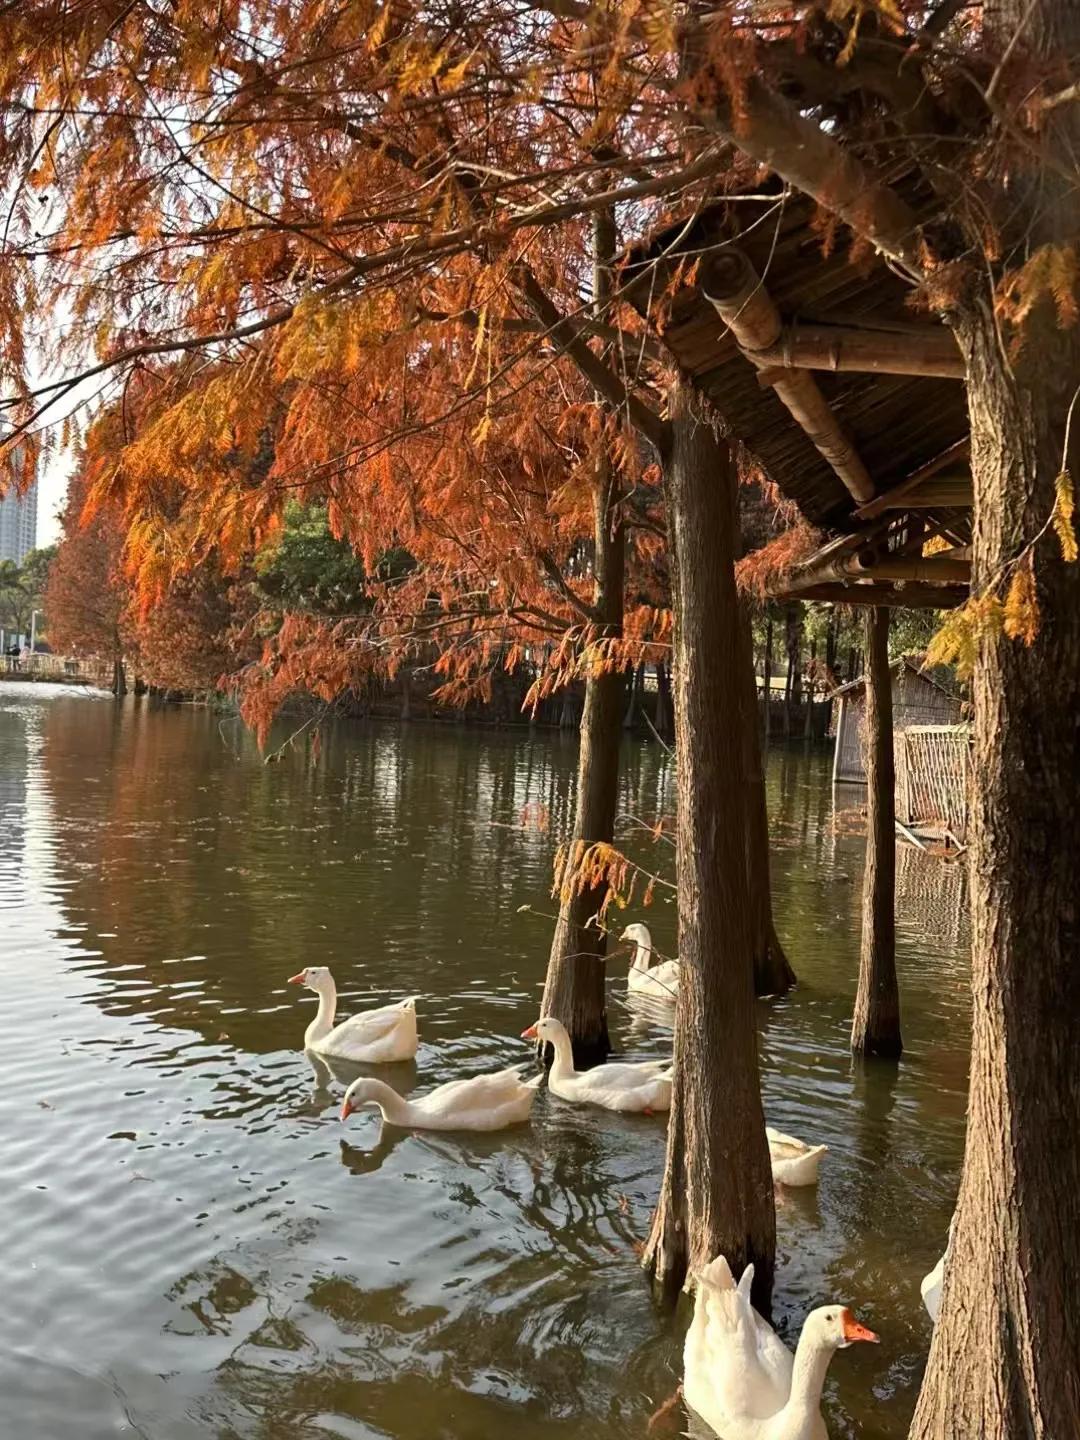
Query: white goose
[
  {"x": 661, "y": 981},
  {"x": 639, "y": 1088},
  {"x": 930, "y": 1289},
  {"x": 741, "y": 1378},
  {"x": 374, "y": 1037},
  {"x": 793, "y": 1161},
  {"x": 932, "y": 1283},
  {"x": 486, "y": 1102}
]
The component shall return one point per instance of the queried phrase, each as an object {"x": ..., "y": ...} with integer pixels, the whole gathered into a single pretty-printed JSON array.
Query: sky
[
  {"x": 55, "y": 471},
  {"x": 52, "y": 491}
]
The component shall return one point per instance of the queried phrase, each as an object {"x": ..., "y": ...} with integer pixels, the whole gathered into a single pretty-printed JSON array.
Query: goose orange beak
[
  {"x": 296, "y": 979},
  {"x": 346, "y": 1109},
  {"x": 529, "y": 1034},
  {"x": 854, "y": 1331}
]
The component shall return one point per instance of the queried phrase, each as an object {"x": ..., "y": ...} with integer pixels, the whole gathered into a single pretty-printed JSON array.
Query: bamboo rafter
[{"x": 732, "y": 286}]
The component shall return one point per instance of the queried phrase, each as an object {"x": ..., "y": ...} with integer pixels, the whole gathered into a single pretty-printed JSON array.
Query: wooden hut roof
[
  {"x": 897, "y": 667},
  {"x": 874, "y": 457}
]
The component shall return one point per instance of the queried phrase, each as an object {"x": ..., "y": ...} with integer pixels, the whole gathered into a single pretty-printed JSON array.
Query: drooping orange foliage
[
  {"x": 755, "y": 572},
  {"x": 366, "y": 232},
  {"x": 367, "y": 228}
]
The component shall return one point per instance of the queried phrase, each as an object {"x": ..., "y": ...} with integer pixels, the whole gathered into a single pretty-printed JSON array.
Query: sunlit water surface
[{"x": 195, "y": 1246}]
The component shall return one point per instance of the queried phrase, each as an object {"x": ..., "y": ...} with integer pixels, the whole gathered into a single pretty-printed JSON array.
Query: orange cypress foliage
[
  {"x": 755, "y": 572},
  {"x": 332, "y": 218}
]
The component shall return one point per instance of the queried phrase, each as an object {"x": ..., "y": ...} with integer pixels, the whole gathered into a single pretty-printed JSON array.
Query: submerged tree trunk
[
  {"x": 831, "y": 680},
  {"x": 1005, "y": 1356},
  {"x": 663, "y": 702},
  {"x": 773, "y": 974},
  {"x": 636, "y": 690},
  {"x": 119, "y": 680},
  {"x": 574, "y": 987},
  {"x": 793, "y": 643},
  {"x": 717, "y": 1193},
  {"x": 875, "y": 1029}
]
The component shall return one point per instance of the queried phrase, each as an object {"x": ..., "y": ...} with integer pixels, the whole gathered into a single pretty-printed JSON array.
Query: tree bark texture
[
  {"x": 716, "y": 1194},
  {"x": 875, "y": 1029},
  {"x": 1005, "y": 1356}
]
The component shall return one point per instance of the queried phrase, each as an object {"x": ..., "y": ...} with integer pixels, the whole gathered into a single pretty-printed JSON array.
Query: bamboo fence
[{"x": 933, "y": 777}]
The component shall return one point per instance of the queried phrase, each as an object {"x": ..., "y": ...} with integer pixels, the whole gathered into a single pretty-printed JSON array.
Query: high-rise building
[{"x": 18, "y": 524}]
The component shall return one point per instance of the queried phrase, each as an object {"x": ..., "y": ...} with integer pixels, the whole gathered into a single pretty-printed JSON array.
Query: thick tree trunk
[
  {"x": 772, "y": 973},
  {"x": 875, "y": 1029},
  {"x": 574, "y": 988},
  {"x": 1005, "y": 1357},
  {"x": 768, "y": 676},
  {"x": 716, "y": 1194}
]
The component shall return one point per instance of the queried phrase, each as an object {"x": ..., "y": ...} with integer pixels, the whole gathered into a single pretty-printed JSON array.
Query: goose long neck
[
  {"x": 642, "y": 956},
  {"x": 394, "y": 1108},
  {"x": 812, "y": 1360},
  {"x": 563, "y": 1064},
  {"x": 324, "y": 1016}
]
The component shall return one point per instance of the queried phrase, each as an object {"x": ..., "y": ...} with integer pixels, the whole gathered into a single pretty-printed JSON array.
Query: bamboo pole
[
  {"x": 929, "y": 351},
  {"x": 914, "y": 596},
  {"x": 866, "y": 565},
  {"x": 732, "y": 286},
  {"x": 945, "y": 492},
  {"x": 914, "y": 482}
]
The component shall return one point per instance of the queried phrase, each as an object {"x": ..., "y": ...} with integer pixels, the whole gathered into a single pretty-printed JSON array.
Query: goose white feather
[
  {"x": 741, "y": 1378},
  {"x": 931, "y": 1289},
  {"x": 484, "y": 1102},
  {"x": 793, "y": 1161},
  {"x": 660, "y": 981},
  {"x": 932, "y": 1283},
  {"x": 641, "y": 1088},
  {"x": 374, "y": 1037}
]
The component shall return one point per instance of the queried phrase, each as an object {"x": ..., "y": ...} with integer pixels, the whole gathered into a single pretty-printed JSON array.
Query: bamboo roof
[{"x": 800, "y": 360}]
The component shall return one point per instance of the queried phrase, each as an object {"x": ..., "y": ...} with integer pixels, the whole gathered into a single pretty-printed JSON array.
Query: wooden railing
[{"x": 56, "y": 667}]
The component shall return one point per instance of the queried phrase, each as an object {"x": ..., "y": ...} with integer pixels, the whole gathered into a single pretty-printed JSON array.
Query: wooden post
[{"x": 876, "y": 1026}]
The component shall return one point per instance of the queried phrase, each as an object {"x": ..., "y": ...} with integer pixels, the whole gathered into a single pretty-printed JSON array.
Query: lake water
[{"x": 195, "y": 1246}]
